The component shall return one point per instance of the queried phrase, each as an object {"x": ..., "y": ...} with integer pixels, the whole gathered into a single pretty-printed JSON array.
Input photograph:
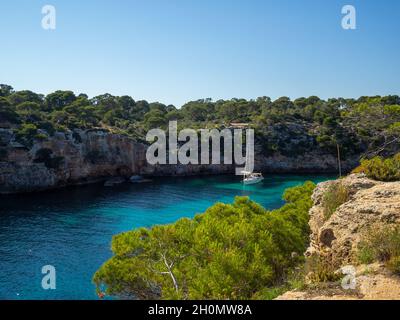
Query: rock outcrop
[
  {"x": 370, "y": 205},
  {"x": 373, "y": 282},
  {"x": 66, "y": 159}
]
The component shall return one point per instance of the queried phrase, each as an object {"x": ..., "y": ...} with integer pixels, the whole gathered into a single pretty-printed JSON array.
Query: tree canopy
[
  {"x": 232, "y": 251},
  {"x": 367, "y": 125}
]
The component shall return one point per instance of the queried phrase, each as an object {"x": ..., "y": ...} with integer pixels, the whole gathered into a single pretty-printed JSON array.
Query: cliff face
[
  {"x": 80, "y": 157},
  {"x": 371, "y": 205},
  {"x": 311, "y": 162},
  {"x": 65, "y": 159}
]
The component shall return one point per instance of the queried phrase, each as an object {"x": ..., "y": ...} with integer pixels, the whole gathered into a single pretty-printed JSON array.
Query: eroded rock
[{"x": 371, "y": 204}]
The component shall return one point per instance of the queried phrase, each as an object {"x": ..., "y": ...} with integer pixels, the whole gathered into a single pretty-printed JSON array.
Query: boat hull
[{"x": 253, "y": 181}]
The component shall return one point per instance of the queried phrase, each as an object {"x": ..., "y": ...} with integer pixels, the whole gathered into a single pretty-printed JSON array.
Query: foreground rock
[
  {"x": 370, "y": 205},
  {"x": 373, "y": 282}
]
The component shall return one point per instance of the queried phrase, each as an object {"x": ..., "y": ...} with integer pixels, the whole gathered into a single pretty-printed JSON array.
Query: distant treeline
[{"x": 367, "y": 125}]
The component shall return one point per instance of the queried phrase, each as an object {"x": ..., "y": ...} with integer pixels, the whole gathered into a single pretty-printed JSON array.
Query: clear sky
[{"x": 174, "y": 51}]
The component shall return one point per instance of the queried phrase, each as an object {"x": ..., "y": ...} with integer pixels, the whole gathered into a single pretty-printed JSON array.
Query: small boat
[
  {"x": 252, "y": 177},
  {"x": 136, "y": 178},
  {"x": 114, "y": 181}
]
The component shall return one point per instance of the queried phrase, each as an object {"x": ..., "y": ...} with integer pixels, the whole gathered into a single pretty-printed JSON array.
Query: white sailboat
[{"x": 250, "y": 177}]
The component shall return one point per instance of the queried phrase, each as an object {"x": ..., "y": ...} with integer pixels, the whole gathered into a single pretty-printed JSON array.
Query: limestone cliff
[
  {"x": 371, "y": 205},
  {"x": 80, "y": 157},
  {"x": 66, "y": 159},
  {"x": 85, "y": 156}
]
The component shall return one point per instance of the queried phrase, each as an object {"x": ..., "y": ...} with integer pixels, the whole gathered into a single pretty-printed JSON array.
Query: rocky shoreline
[{"x": 88, "y": 156}]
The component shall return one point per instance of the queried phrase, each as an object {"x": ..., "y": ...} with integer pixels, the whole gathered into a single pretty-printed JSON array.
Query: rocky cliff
[
  {"x": 310, "y": 162},
  {"x": 66, "y": 159},
  {"x": 371, "y": 205},
  {"x": 78, "y": 157}
]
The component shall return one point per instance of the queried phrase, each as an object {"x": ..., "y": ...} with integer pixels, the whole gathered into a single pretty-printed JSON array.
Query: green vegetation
[
  {"x": 363, "y": 126},
  {"x": 334, "y": 197},
  {"x": 383, "y": 245},
  {"x": 381, "y": 169},
  {"x": 27, "y": 133},
  {"x": 232, "y": 251},
  {"x": 320, "y": 269}
]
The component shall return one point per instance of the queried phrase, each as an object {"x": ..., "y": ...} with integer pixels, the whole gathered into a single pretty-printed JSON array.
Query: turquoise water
[{"x": 71, "y": 229}]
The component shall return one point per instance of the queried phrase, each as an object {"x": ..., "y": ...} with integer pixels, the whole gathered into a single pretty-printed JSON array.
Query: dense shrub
[
  {"x": 321, "y": 269},
  {"x": 383, "y": 245},
  {"x": 381, "y": 169},
  {"x": 26, "y": 134},
  {"x": 6, "y": 112},
  {"x": 232, "y": 251},
  {"x": 335, "y": 196}
]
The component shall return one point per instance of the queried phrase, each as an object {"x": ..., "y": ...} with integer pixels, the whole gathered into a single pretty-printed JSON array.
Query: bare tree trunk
[
  {"x": 171, "y": 274},
  {"x": 339, "y": 161}
]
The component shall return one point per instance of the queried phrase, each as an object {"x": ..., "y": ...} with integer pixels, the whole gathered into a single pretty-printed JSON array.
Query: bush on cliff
[
  {"x": 381, "y": 169},
  {"x": 7, "y": 113},
  {"x": 383, "y": 245},
  {"x": 318, "y": 269},
  {"x": 335, "y": 196},
  {"x": 232, "y": 251},
  {"x": 28, "y": 133}
]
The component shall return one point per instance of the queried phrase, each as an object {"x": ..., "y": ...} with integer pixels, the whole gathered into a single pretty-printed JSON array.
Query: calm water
[{"x": 71, "y": 229}]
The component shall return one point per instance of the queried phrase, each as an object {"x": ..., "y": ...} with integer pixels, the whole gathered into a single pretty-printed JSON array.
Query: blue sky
[{"x": 174, "y": 51}]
